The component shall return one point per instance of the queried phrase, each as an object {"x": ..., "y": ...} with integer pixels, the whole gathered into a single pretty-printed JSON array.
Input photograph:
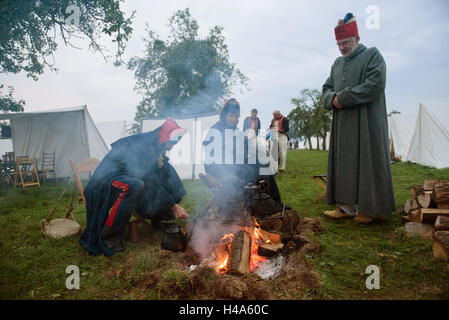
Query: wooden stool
[{"x": 321, "y": 181}]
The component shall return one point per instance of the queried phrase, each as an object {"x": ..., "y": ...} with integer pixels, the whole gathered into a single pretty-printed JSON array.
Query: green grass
[{"x": 33, "y": 267}]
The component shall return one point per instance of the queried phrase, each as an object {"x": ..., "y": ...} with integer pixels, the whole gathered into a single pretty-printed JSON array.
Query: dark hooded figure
[
  {"x": 134, "y": 176},
  {"x": 228, "y": 159}
]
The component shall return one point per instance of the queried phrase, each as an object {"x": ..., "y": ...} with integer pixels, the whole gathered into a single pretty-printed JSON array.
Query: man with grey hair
[
  {"x": 359, "y": 170},
  {"x": 279, "y": 128}
]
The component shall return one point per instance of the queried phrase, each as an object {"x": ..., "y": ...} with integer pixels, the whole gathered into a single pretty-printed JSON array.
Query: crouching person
[{"x": 134, "y": 176}]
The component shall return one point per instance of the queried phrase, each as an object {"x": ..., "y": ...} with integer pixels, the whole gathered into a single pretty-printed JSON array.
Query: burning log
[
  {"x": 240, "y": 253},
  {"x": 441, "y": 245},
  {"x": 268, "y": 237},
  {"x": 269, "y": 249}
]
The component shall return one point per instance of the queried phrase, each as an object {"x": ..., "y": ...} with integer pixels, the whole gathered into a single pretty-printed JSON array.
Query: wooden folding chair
[
  {"x": 48, "y": 165},
  {"x": 321, "y": 181},
  {"x": 87, "y": 166},
  {"x": 26, "y": 167}
]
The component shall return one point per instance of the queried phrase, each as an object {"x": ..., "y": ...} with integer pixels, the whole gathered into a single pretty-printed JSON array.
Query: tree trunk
[
  {"x": 324, "y": 142},
  {"x": 318, "y": 142},
  {"x": 309, "y": 139}
]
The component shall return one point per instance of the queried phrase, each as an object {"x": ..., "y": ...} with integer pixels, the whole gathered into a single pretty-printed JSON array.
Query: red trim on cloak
[{"x": 113, "y": 212}]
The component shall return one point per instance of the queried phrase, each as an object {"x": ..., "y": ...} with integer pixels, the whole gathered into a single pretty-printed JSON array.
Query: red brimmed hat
[
  {"x": 168, "y": 129},
  {"x": 346, "y": 28}
]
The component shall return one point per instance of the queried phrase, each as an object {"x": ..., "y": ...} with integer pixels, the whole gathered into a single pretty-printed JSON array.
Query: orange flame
[{"x": 256, "y": 239}]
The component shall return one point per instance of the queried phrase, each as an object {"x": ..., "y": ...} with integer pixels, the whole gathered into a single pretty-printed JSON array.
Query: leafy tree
[
  {"x": 28, "y": 30},
  {"x": 309, "y": 118},
  {"x": 8, "y": 103},
  {"x": 183, "y": 74}
]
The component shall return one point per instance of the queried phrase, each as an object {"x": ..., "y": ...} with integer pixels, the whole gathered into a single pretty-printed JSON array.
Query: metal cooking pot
[{"x": 174, "y": 239}]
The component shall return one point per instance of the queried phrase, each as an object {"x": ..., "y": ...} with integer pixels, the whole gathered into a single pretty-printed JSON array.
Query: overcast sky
[{"x": 282, "y": 46}]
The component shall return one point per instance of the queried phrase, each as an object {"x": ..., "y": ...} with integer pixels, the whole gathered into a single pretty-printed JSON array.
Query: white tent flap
[{"x": 430, "y": 141}]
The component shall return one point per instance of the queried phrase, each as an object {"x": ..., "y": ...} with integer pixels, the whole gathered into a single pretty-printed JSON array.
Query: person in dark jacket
[
  {"x": 134, "y": 176},
  {"x": 228, "y": 159},
  {"x": 252, "y": 122}
]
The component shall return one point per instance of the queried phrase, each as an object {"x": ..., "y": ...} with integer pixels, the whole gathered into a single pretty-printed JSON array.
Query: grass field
[{"x": 34, "y": 267}]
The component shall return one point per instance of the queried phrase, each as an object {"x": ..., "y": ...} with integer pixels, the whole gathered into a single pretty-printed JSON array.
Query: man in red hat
[
  {"x": 359, "y": 171},
  {"x": 134, "y": 176}
]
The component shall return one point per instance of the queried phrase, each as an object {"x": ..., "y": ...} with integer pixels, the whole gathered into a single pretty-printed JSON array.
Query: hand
[
  {"x": 336, "y": 103},
  {"x": 179, "y": 212}
]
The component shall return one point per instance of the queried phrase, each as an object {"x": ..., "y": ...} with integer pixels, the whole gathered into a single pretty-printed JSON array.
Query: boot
[
  {"x": 112, "y": 239},
  {"x": 363, "y": 218},
  {"x": 336, "y": 214}
]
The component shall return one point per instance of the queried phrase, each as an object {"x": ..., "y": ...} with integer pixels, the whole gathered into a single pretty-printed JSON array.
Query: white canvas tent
[
  {"x": 71, "y": 133},
  {"x": 430, "y": 142},
  {"x": 5, "y": 146},
  {"x": 187, "y": 155},
  {"x": 111, "y": 131},
  {"x": 401, "y": 129}
]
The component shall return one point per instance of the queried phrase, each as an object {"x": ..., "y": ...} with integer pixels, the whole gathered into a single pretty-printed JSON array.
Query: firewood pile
[{"x": 428, "y": 214}]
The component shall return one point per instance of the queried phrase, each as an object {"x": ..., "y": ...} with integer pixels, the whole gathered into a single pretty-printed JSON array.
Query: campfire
[
  {"x": 246, "y": 250},
  {"x": 229, "y": 237}
]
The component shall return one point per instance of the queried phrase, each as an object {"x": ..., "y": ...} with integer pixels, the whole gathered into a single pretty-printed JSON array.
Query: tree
[
  {"x": 8, "y": 103},
  {"x": 183, "y": 74},
  {"x": 309, "y": 118},
  {"x": 28, "y": 30}
]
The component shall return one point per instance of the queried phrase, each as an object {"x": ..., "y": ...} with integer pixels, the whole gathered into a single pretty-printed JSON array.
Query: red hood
[{"x": 167, "y": 129}]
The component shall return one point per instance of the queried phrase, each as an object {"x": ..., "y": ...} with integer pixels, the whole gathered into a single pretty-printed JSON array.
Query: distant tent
[
  {"x": 186, "y": 156},
  {"x": 111, "y": 131},
  {"x": 401, "y": 129},
  {"x": 430, "y": 142},
  {"x": 71, "y": 133},
  {"x": 5, "y": 146}
]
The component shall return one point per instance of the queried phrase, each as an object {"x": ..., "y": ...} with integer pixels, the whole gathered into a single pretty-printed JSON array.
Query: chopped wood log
[
  {"x": 441, "y": 195},
  {"x": 269, "y": 249},
  {"x": 430, "y": 215},
  {"x": 240, "y": 253},
  {"x": 429, "y": 183},
  {"x": 268, "y": 236},
  {"x": 442, "y": 223},
  {"x": 411, "y": 204},
  {"x": 441, "y": 245},
  {"x": 425, "y": 199},
  {"x": 415, "y": 215},
  {"x": 416, "y": 191}
]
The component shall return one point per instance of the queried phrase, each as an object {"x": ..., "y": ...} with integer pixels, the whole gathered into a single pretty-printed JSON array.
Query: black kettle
[{"x": 174, "y": 239}]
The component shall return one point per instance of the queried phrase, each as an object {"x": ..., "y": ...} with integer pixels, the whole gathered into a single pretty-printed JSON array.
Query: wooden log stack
[{"x": 429, "y": 204}]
